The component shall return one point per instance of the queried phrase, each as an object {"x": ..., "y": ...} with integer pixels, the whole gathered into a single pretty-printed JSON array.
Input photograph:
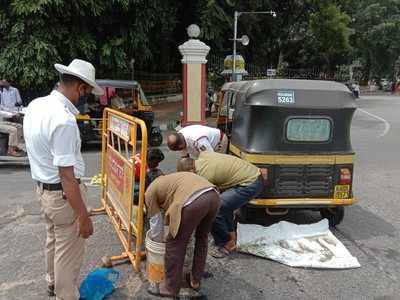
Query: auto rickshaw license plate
[{"x": 342, "y": 191}]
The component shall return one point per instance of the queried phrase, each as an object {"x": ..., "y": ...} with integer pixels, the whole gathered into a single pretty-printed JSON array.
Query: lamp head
[{"x": 245, "y": 40}]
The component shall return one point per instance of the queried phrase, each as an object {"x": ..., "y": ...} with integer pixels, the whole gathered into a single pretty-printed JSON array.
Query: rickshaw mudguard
[{"x": 301, "y": 202}]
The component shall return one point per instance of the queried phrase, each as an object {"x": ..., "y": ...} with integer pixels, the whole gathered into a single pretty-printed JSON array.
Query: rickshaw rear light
[{"x": 345, "y": 176}]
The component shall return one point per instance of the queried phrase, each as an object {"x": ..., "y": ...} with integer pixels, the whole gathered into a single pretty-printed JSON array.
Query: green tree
[
  {"x": 108, "y": 33},
  {"x": 35, "y": 34},
  {"x": 377, "y": 37},
  {"x": 272, "y": 40},
  {"x": 330, "y": 33}
]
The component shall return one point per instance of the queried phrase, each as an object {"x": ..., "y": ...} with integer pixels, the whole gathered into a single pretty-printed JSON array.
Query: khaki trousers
[
  {"x": 64, "y": 247},
  {"x": 222, "y": 146},
  {"x": 14, "y": 131}
]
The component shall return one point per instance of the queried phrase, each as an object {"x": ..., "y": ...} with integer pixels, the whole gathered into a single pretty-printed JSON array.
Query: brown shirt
[{"x": 170, "y": 192}]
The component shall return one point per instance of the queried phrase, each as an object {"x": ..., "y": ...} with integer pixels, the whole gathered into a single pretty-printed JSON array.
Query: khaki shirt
[
  {"x": 169, "y": 193},
  {"x": 225, "y": 171}
]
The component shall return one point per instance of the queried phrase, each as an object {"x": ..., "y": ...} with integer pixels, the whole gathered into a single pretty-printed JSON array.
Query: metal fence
[
  {"x": 310, "y": 74},
  {"x": 157, "y": 83},
  {"x": 215, "y": 65}
]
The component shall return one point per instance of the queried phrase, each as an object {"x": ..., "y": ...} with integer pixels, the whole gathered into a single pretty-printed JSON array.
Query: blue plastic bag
[{"x": 98, "y": 284}]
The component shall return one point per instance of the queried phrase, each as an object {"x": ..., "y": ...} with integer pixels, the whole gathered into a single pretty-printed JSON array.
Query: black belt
[{"x": 53, "y": 186}]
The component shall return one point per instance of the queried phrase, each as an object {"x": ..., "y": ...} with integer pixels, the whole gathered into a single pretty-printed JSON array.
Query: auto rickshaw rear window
[{"x": 313, "y": 130}]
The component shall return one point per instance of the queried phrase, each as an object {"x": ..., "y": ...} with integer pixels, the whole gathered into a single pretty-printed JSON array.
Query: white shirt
[
  {"x": 10, "y": 98},
  {"x": 200, "y": 138},
  {"x": 52, "y": 137}
]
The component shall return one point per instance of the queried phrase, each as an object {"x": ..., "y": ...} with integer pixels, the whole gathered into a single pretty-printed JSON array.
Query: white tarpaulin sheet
[{"x": 310, "y": 246}]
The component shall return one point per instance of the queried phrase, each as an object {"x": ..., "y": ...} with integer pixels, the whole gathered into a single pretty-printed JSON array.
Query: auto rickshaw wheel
[{"x": 334, "y": 215}]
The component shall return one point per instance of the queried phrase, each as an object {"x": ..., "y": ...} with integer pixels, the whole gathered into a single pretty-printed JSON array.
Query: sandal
[
  {"x": 189, "y": 282},
  {"x": 154, "y": 289},
  {"x": 220, "y": 252},
  {"x": 15, "y": 153},
  {"x": 191, "y": 294},
  {"x": 231, "y": 244}
]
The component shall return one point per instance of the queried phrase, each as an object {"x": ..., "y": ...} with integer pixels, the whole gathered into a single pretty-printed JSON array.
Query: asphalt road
[{"x": 370, "y": 231}]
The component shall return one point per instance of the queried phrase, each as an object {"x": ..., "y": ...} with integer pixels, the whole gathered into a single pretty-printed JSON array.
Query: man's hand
[
  {"x": 85, "y": 227},
  {"x": 73, "y": 194},
  {"x": 264, "y": 173}
]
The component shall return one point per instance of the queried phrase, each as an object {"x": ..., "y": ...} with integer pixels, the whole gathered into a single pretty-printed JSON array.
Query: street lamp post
[
  {"x": 236, "y": 16},
  {"x": 244, "y": 39},
  {"x": 132, "y": 63}
]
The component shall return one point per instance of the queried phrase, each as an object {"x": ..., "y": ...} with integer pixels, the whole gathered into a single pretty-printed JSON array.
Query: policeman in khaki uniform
[{"x": 53, "y": 145}]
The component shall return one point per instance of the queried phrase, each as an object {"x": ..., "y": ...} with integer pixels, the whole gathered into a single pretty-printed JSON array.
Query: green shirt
[{"x": 225, "y": 171}]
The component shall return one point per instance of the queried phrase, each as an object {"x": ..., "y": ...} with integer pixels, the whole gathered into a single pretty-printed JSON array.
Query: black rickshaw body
[
  {"x": 132, "y": 101},
  {"x": 299, "y": 131}
]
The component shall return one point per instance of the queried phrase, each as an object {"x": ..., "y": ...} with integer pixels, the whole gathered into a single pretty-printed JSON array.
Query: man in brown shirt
[{"x": 190, "y": 204}]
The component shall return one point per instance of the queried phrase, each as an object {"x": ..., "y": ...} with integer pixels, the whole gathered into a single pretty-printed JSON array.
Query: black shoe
[{"x": 50, "y": 291}]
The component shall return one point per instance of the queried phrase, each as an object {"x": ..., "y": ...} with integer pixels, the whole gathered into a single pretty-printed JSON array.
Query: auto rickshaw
[
  {"x": 299, "y": 131},
  {"x": 123, "y": 95}
]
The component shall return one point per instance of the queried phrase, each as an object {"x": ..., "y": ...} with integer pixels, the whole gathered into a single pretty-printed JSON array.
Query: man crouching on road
[
  {"x": 191, "y": 204},
  {"x": 53, "y": 145},
  {"x": 238, "y": 180}
]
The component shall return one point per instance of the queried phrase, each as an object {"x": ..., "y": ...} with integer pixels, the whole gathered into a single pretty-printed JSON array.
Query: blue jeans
[{"x": 231, "y": 200}]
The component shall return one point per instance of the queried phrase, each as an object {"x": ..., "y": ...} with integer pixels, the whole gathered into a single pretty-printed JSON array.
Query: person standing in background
[{"x": 10, "y": 97}]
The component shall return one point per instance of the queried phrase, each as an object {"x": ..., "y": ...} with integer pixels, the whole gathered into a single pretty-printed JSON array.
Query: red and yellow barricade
[{"x": 119, "y": 146}]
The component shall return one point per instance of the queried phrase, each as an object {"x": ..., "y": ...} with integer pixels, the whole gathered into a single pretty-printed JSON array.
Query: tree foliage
[
  {"x": 330, "y": 32},
  {"x": 377, "y": 36},
  {"x": 35, "y": 34}
]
